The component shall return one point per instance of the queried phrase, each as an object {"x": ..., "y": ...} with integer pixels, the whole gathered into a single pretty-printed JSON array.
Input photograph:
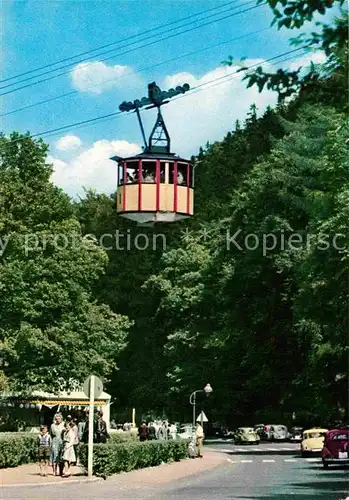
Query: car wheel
[{"x": 257, "y": 442}]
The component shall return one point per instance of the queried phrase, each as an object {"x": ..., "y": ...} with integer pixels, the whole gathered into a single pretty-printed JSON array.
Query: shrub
[
  {"x": 112, "y": 458},
  {"x": 122, "y": 437},
  {"x": 17, "y": 448}
]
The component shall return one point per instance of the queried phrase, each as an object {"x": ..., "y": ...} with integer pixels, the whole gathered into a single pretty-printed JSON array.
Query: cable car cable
[
  {"x": 117, "y": 54},
  {"x": 74, "y": 92},
  {"x": 112, "y": 50},
  {"x": 114, "y": 43},
  {"x": 241, "y": 70},
  {"x": 128, "y": 51},
  {"x": 117, "y": 113}
]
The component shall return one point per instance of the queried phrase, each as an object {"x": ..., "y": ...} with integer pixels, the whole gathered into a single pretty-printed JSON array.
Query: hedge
[
  {"x": 122, "y": 453},
  {"x": 17, "y": 448},
  {"x": 122, "y": 437},
  {"x": 110, "y": 458}
]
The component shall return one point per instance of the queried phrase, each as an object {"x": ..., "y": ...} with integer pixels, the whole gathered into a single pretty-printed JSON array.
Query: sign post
[
  {"x": 202, "y": 418},
  {"x": 90, "y": 427},
  {"x": 93, "y": 388}
]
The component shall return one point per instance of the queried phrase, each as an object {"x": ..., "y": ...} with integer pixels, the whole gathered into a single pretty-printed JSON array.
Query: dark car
[
  {"x": 296, "y": 434},
  {"x": 336, "y": 447}
]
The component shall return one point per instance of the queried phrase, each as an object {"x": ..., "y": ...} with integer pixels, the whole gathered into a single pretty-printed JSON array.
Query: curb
[{"x": 52, "y": 483}]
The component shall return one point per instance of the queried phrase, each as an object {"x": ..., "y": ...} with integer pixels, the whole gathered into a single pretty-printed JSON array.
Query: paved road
[{"x": 264, "y": 472}]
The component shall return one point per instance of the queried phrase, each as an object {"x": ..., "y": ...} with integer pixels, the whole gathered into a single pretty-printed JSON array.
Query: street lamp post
[{"x": 192, "y": 400}]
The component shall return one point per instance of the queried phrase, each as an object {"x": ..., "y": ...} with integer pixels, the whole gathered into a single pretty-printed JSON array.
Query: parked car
[
  {"x": 313, "y": 441},
  {"x": 264, "y": 434},
  {"x": 259, "y": 428},
  {"x": 296, "y": 434},
  {"x": 185, "y": 431},
  {"x": 336, "y": 447},
  {"x": 278, "y": 433},
  {"x": 229, "y": 434},
  {"x": 246, "y": 435}
]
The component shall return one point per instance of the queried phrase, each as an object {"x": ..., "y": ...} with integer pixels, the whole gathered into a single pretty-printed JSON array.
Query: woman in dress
[
  {"x": 68, "y": 448},
  {"x": 56, "y": 434}
]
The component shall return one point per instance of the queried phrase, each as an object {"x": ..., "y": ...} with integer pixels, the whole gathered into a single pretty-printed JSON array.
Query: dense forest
[{"x": 251, "y": 295}]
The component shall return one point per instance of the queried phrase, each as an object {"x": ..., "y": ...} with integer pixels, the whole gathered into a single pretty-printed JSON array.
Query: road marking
[
  {"x": 246, "y": 461},
  {"x": 313, "y": 459},
  {"x": 269, "y": 461},
  {"x": 290, "y": 460},
  {"x": 286, "y": 449},
  {"x": 232, "y": 461},
  {"x": 272, "y": 449},
  {"x": 254, "y": 449}
]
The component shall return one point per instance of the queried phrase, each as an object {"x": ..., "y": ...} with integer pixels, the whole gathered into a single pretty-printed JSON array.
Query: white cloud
[
  {"x": 207, "y": 115},
  {"x": 92, "y": 168},
  {"x": 317, "y": 57},
  {"x": 68, "y": 142},
  {"x": 192, "y": 120},
  {"x": 96, "y": 77},
  {"x": 210, "y": 112}
]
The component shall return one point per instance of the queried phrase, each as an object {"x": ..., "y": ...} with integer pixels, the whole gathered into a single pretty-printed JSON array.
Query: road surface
[{"x": 263, "y": 472}]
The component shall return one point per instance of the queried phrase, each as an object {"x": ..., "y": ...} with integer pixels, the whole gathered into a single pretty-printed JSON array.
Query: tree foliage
[
  {"x": 52, "y": 330},
  {"x": 331, "y": 39},
  {"x": 250, "y": 295}
]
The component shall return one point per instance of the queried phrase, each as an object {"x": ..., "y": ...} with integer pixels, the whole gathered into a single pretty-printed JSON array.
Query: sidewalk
[{"x": 29, "y": 474}]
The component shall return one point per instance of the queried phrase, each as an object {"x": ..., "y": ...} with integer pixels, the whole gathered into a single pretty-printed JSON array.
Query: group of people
[
  {"x": 148, "y": 176},
  {"x": 152, "y": 430},
  {"x": 58, "y": 445}
]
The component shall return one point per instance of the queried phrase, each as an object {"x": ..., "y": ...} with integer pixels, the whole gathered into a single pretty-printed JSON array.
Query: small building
[{"x": 26, "y": 413}]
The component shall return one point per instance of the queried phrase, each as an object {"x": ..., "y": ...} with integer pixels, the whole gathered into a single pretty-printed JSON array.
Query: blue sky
[{"x": 36, "y": 33}]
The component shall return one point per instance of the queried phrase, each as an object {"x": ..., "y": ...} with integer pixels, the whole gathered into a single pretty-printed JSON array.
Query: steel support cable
[
  {"x": 119, "y": 48},
  {"x": 115, "y": 43},
  {"x": 194, "y": 89},
  {"x": 75, "y": 92},
  {"x": 130, "y": 50},
  {"x": 201, "y": 89}
]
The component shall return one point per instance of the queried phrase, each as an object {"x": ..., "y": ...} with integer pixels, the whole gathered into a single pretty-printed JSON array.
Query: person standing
[
  {"x": 199, "y": 439},
  {"x": 102, "y": 432},
  {"x": 75, "y": 429},
  {"x": 56, "y": 431},
  {"x": 163, "y": 431},
  {"x": 151, "y": 432},
  {"x": 173, "y": 431},
  {"x": 68, "y": 448},
  {"x": 45, "y": 442},
  {"x": 143, "y": 432}
]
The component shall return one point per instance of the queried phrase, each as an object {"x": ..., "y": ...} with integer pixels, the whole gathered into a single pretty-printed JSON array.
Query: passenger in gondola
[
  {"x": 149, "y": 177},
  {"x": 180, "y": 179},
  {"x": 129, "y": 178}
]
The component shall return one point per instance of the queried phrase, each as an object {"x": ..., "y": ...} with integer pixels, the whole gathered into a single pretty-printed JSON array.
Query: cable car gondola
[{"x": 155, "y": 185}]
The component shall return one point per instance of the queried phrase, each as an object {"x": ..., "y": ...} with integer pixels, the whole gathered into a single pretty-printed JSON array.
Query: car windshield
[
  {"x": 312, "y": 435},
  {"x": 342, "y": 437}
]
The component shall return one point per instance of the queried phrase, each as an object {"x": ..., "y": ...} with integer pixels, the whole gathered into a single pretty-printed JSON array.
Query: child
[{"x": 44, "y": 449}]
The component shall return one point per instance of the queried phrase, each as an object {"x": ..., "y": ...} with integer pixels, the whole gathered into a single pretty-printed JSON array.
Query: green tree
[{"x": 52, "y": 331}]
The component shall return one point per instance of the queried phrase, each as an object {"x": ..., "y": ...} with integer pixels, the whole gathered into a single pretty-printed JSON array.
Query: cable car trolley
[{"x": 155, "y": 185}]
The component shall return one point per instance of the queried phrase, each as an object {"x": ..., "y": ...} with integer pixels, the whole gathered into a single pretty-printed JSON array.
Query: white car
[
  {"x": 278, "y": 433},
  {"x": 185, "y": 431}
]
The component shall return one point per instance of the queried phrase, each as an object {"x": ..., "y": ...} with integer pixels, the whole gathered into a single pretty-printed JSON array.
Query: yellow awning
[{"x": 68, "y": 402}]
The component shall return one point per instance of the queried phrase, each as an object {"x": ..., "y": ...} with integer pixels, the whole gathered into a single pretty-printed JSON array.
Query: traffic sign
[
  {"x": 202, "y": 417},
  {"x": 98, "y": 387}
]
